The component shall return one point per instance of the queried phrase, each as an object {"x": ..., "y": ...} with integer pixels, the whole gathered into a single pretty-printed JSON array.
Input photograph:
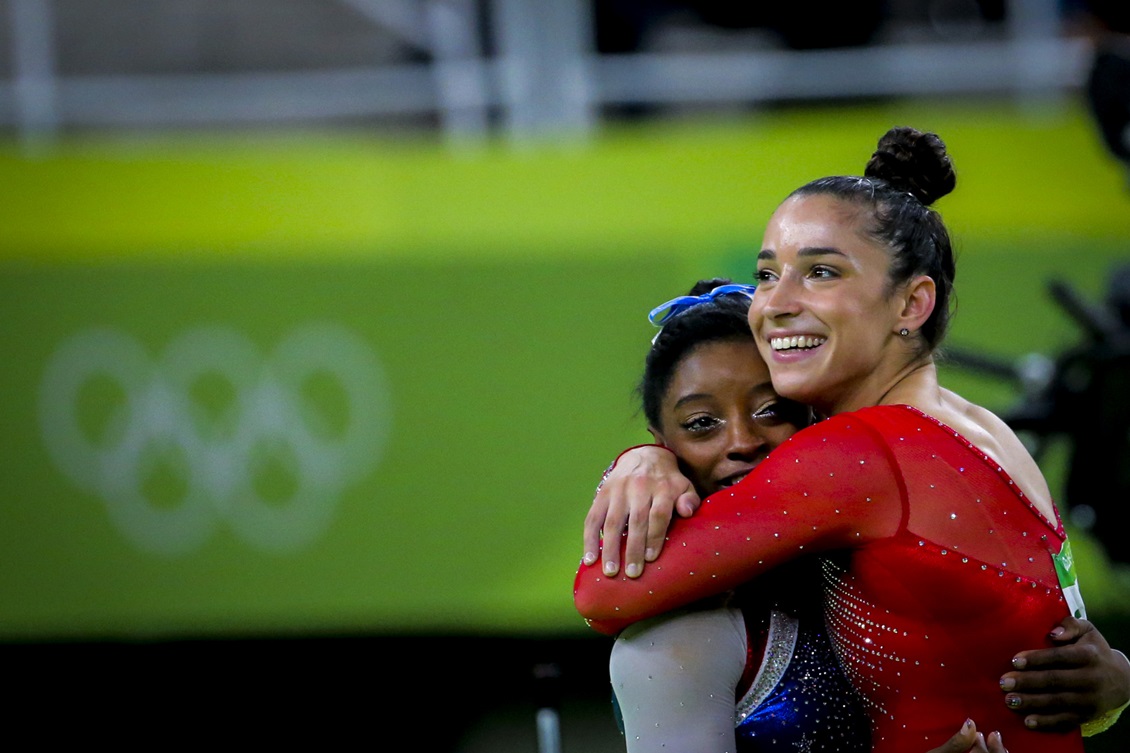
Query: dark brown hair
[{"x": 907, "y": 173}]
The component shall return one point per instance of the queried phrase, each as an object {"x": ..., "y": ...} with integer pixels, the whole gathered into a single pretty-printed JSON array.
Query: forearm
[
  {"x": 611, "y": 603},
  {"x": 774, "y": 515}
]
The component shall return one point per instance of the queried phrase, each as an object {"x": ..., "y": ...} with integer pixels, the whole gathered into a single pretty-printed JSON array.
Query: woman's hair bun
[
  {"x": 913, "y": 161},
  {"x": 705, "y": 286}
]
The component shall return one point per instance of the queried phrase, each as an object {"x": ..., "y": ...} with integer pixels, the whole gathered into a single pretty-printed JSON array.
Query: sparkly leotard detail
[
  {"x": 947, "y": 568},
  {"x": 800, "y": 698}
]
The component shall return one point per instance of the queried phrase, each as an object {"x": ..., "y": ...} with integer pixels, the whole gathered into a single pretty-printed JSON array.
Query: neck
[{"x": 915, "y": 383}]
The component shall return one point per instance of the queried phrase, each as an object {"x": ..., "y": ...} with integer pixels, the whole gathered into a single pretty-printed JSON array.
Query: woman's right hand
[
  {"x": 969, "y": 740},
  {"x": 640, "y": 494}
]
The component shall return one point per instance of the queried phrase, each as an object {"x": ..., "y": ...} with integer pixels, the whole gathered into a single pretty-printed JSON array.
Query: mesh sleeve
[
  {"x": 675, "y": 679},
  {"x": 830, "y": 486}
]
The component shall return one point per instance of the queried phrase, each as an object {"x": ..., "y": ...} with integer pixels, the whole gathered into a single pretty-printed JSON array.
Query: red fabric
[{"x": 947, "y": 574}]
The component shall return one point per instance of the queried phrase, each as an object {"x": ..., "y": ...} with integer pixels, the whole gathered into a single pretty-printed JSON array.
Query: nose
[
  {"x": 773, "y": 303},
  {"x": 781, "y": 298},
  {"x": 744, "y": 441}
]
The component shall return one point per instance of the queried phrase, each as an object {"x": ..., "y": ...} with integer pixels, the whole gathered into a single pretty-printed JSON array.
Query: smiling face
[
  {"x": 720, "y": 415},
  {"x": 826, "y": 317}
]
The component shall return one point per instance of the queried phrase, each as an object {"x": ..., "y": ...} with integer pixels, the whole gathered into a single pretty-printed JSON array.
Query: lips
[
  {"x": 733, "y": 478},
  {"x": 796, "y": 342}
]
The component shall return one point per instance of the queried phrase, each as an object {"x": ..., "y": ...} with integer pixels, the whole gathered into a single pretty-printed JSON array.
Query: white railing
[{"x": 543, "y": 78}]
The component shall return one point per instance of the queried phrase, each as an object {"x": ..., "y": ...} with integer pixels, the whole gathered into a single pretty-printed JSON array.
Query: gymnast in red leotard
[{"x": 954, "y": 555}]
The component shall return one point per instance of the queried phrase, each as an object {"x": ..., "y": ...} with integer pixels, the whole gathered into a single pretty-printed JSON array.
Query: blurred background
[{"x": 319, "y": 320}]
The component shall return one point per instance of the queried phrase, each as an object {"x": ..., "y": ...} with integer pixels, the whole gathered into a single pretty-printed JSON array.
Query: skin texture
[
  {"x": 720, "y": 415},
  {"x": 1063, "y": 687},
  {"x": 643, "y": 492},
  {"x": 819, "y": 277}
]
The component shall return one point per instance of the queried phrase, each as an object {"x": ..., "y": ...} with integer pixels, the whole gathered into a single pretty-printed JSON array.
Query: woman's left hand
[
  {"x": 639, "y": 495},
  {"x": 1077, "y": 681}
]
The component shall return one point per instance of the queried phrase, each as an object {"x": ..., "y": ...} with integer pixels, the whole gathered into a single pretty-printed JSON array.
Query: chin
[{"x": 795, "y": 387}]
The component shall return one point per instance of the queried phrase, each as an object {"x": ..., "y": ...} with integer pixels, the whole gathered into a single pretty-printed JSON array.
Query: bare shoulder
[{"x": 995, "y": 438}]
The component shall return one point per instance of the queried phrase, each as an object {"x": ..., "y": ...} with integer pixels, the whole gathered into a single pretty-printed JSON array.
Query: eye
[
  {"x": 822, "y": 271},
  {"x": 700, "y": 424},
  {"x": 769, "y": 412},
  {"x": 763, "y": 276},
  {"x": 782, "y": 412}
]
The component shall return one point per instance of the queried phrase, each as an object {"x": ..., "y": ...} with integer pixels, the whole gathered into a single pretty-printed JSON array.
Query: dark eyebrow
[
  {"x": 691, "y": 397},
  {"x": 820, "y": 251},
  {"x": 768, "y": 253}
]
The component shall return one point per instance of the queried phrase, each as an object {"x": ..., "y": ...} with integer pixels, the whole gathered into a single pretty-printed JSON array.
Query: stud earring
[{"x": 904, "y": 332}]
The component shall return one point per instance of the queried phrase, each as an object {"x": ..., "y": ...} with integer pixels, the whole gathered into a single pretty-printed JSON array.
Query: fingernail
[
  {"x": 649, "y": 554},
  {"x": 1013, "y": 701},
  {"x": 1056, "y": 632},
  {"x": 611, "y": 568},
  {"x": 1007, "y": 683},
  {"x": 1030, "y": 722},
  {"x": 968, "y": 723},
  {"x": 1019, "y": 662},
  {"x": 589, "y": 558},
  {"x": 633, "y": 570}
]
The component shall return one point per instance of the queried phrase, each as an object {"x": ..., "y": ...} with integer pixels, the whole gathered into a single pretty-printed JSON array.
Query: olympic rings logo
[{"x": 217, "y": 455}]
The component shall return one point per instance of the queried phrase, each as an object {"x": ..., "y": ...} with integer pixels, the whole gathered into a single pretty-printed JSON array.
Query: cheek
[
  {"x": 700, "y": 458},
  {"x": 755, "y": 320},
  {"x": 754, "y": 315},
  {"x": 778, "y": 434}
]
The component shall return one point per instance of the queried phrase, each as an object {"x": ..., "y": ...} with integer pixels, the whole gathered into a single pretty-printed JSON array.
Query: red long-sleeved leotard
[{"x": 947, "y": 573}]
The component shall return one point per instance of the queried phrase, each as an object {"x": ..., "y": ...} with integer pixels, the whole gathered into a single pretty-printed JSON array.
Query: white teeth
[
  {"x": 731, "y": 481},
  {"x": 797, "y": 341}
]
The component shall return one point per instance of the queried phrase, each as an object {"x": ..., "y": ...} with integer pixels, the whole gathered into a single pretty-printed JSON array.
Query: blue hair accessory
[{"x": 665, "y": 312}]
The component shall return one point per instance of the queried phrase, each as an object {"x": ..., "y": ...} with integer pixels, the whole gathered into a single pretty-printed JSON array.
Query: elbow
[
  {"x": 592, "y": 608},
  {"x": 585, "y": 600},
  {"x": 603, "y": 626}
]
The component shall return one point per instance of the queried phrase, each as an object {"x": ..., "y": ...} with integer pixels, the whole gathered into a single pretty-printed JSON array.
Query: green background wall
[{"x": 500, "y": 294}]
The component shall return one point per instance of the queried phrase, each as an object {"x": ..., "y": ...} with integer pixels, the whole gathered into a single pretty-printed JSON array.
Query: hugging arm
[{"x": 775, "y": 515}]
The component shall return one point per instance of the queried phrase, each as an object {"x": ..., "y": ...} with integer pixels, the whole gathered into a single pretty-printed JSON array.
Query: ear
[
  {"x": 917, "y": 301},
  {"x": 656, "y": 435}
]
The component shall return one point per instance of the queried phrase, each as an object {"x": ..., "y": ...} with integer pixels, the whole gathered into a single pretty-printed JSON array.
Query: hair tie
[{"x": 665, "y": 312}]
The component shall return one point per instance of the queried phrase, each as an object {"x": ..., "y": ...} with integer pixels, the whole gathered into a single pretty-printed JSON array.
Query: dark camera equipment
[
  {"x": 1108, "y": 95},
  {"x": 1082, "y": 395}
]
